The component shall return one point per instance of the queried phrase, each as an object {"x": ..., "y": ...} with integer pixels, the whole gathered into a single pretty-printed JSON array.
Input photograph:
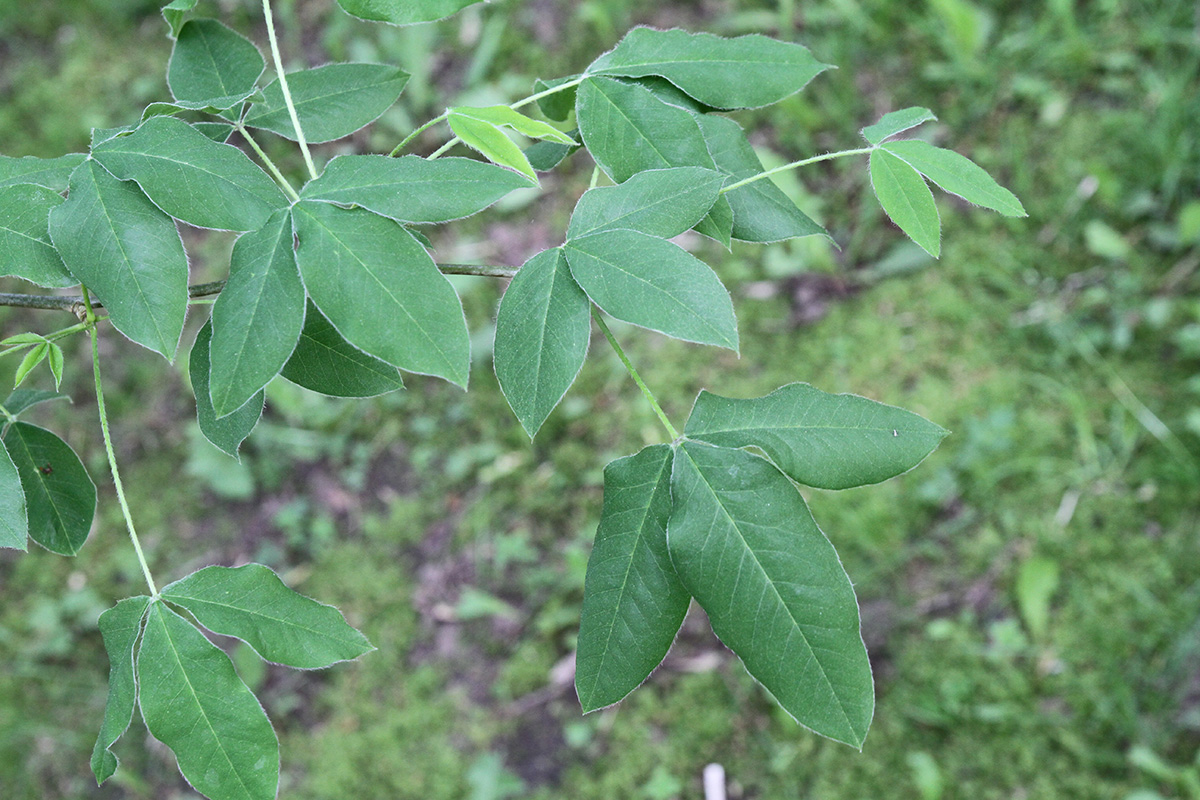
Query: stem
[
  {"x": 274, "y": 170},
  {"x": 287, "y": 94},
  {"x": 396, "y": 150},
  {"x": 441, "y": 150},
  {"x": 11, "y": 419},
  {"x": 633, "y": 373},
  {"x": 794, "y": 165},
  {"x": 108, "y": 447}
]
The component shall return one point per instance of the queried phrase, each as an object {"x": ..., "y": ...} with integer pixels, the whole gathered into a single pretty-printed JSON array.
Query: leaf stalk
[
  {"x": 633, "y": 373},
  {"x": 287, "y": 94}
]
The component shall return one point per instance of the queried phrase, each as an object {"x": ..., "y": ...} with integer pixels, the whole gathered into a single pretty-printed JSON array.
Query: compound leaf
[
  {"x": 907, "y": 200},
  {"x": 744, "y": 72},
  {"x": 761, "y": 211},
  {"x": 414, "y": 189},
  {"x": 191, "y": 177},
  {"x": 283, "y": 626},
  {"x": 211, "y": 63},
  {"x": 60, "y": 498},
  {"x": 53, "y": 173},
  {"x": 120, "y": 626},
  {"x": 958, "y": 175},
  {"x": 257, "y": 318},
  {"x": 228, "y": 432},
  {"x": 660, "y": 202},
  {"x": 325, "y": 362},
  {"x": 14, "y": 524},
  {"x": 655, "y": 284},
  {"x": 194, "y": 702},
  {"x": 376, "y": 284},
  {"x": 830, "y": 441},
  {"x": 331, "y": 101},
  {"x": 404, "y": 12},
  {"x": 542, "y": 331},
  {"x": 128, "y": 253},
  {"x": 896, "y": 122},
  {"x": 633, "y": 602},
  {"x": 746, "y": 547},
  {"x": 25, "y": 247}
]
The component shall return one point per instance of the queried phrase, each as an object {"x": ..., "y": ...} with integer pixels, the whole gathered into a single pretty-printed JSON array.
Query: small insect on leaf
[{"x": 46, "y": 469}]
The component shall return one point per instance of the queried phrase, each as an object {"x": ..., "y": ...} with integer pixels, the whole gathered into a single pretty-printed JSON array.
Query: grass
[{"x": 460, "y": 547}]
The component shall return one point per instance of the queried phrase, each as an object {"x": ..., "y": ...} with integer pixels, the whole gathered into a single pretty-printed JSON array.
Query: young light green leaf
[
  {"x": 506, "y": 117},
  {"x": 128, "y": 253},
  {"x": 55, "y": 357},
  {"x": 404, "y": 12},
  {"x": 492, "y": 142},
  {"x": 413, "y": 189},
  {"x": 897, "y": 122},
  {"x": 660, "y": 202},
  {"x": 907, "y": 200},
  {"x": 627, "y": 129},
  {"x": 545, "y": 156},
  {"x": 331, "y": 101},
  {"x": 22, "y": 399},
  {"x": 324, "y": 362},
  {"x": 761, "y": 211},
  {"x": 542, "y": 331},
  {"x": 194, "y": 702},
  {"x": 633, "y": 602},
  {"x": 228, "y": 432},
  {"x": 14, "y": 523},
  {"x": 120, "y": 626},
  {"x": 381, "y": 290},
  {"x": 830, "y": 441},
  {"x": 746, "y": 547},
  {"x": 191, "y": 177},
  {"x": 744, "y": 72},
  {"x": 257, "y": 318},
  {"x": 211, "y": 63},
  {"x": 36, "y": 355},
  {"x": 655, "y": 284},
  {"x": 557, "y": 106},
  {"x": 25, "y": 247},
  {"x": 958, "y": 175},
  {"x": 60, "y": 498},
  {"x": 175, "y": 12},
  {"x": 22, "y": 339},
  {"x": 53, "y": 173},
  {"x": 283, "y": 626}
]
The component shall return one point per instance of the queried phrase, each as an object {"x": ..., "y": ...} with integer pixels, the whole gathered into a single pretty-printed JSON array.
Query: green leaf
[
  {"x": 660, "y": 202},
  {"x": 175, "y": 13},
  {"x": 25, "y": 247},
  {"x": 830, "y": 441},
  {"x": 22, "y": 399},
  {"x": 324, "y": 362},
  {"x": 907, "y": 200},
  {"x": 627, "y": 129},
  {"x": 761, "y": 211},
  {"x": 404, "y": 12},
  {"x": 210, "y": 106},
  {"x": 120, "y": 626},
  {"x": 56, "y": 364},
  {"x": 542, "y": 331},
  {"x": 744, "y": 72},
  {"x": 14, "y": 523},
  {"x": 633, "y": 602},
  {"x": 217, "y": 131},
  {"x": 744, "y": 544},
  {"x": 413, "y": 189},
  {"x": 191, "y": 177},
  {"x": 36, "y": 355},
  {"x": 53, "y": 173},
  {"x": 331, "y": 101},
  {"x": 283, "y": 626},
  {"x": 258, "y": 316},
  {"x": 194, "y": 702},
  {"x": 492, "y": 142},
  {"x": 228, "y": 432},
  {"x": 1037, "y": 581},
  {"x": 545, "y": 156},
  {"x": 22, "y": 339},
  {"x": 211, "y": 63},
  {"x": 897, "y": 122},
  {"x": 128, "y": 253},
  {"x": 958, "y": 175},
  {"x": 506, "y": 117},
  {"x": 655, "y": 284},
  {"x": 557, "y": 106},
  {"x": 60, "y": 498},
  {"x": 376, "y": 284}
]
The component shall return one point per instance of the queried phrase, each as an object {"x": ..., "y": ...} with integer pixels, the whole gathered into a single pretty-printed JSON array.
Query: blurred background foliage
[{"x": 1030, "y": 595}]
